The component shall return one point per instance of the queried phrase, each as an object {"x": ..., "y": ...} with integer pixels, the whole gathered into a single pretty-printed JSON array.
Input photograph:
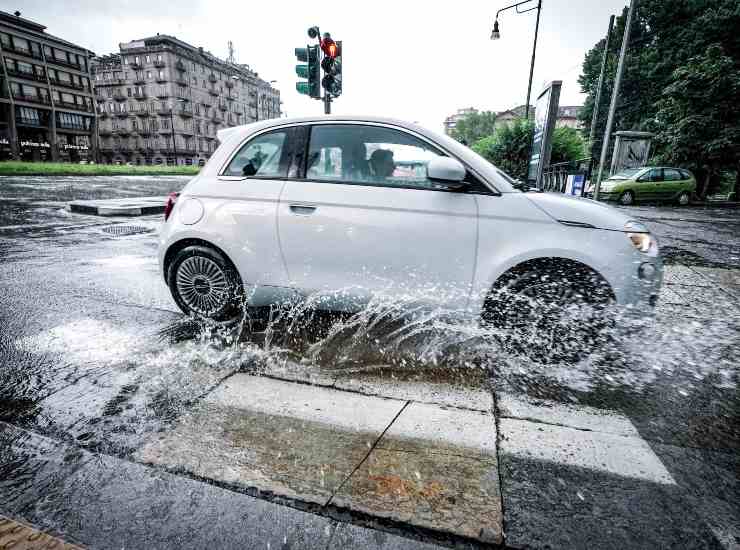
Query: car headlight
[{"x": 641, "y": 238}]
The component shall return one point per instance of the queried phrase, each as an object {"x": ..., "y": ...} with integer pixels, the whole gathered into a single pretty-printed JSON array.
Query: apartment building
[
  {"x": 46, "y": 97},
  {"x": 161, "y": 101}
]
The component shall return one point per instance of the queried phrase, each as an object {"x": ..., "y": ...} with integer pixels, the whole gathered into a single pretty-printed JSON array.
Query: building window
[
  {"x": 125, "y": 60},
  {"x": 148, "y": 60},
  {"x": 128, "y": 92},
  {"x": 161, "y": 74},
  {"x": 159, "y": 57},
  {"x": 136, "y": 59}
]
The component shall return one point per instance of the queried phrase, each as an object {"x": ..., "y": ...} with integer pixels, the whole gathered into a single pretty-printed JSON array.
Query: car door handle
[{"x": 302, "y": 209}]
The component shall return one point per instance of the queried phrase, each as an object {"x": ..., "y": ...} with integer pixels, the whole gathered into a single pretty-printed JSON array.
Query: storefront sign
[
  {"x": 77, "y": 147},
  {"x": 44, "y": 145},
  {"x": 545, "y": 113}
]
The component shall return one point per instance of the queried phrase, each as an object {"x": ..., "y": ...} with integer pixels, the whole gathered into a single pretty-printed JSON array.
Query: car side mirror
[{"x": 448, "y": 171}]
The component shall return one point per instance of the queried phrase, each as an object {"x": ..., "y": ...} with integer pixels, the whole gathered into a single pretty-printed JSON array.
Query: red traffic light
[{"x": 329, "y": 47}]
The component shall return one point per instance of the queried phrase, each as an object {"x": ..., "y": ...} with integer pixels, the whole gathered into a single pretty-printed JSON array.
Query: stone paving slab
[
  {"x": 135, "y": 206},
  {"x": 434, "y": 468},
  {"x": 19, "y": 536},
  {"x": 290, "y": 439}
]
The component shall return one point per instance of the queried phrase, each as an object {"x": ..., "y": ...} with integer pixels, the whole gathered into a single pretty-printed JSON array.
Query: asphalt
[{"x": 103, "y": 382}]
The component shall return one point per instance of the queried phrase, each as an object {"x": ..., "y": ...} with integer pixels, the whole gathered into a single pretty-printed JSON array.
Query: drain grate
[{"x": 125, "y": 230}]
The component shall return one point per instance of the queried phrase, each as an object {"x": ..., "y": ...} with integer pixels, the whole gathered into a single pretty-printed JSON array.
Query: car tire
[
  {"x": 550, "y": 315},
  {"x": 205, "y": 284},
  {"x": 684, "y": 198},
  {"x": 627, "y": 198}
]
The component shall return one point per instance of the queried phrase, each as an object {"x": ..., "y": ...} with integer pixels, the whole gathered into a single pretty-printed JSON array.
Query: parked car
[
  {"x": 651, "y": 183},
  {"x": 292, "y": 207}
]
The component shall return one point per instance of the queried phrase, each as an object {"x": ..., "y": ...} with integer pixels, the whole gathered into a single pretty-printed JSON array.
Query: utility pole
[
  {"x": 599, "y": 87},
  {"x": 615, "y": 96}
]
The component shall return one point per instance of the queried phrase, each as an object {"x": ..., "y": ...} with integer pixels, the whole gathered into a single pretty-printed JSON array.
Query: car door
[
  {"x": 244, "y": 203},
  {"x": 672, "y": 185},
  {"x": 648, "y": 184},
  {"x": 366, "y": 220}
]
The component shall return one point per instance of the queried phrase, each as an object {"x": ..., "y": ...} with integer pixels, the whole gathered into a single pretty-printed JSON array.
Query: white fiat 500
[{"x": 353, "y": 207}]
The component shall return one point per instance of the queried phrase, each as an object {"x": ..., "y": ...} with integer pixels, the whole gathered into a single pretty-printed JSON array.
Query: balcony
[
  {"x": 213, "y": 92},
  {"x": 212, "y": 78},
  {"x": 32, "y": 98},
  {"x": 64, "y": 62},
  {"x": 185, "y": 131},
  {"x": 140, "y": 96},
  {"x": 103, "y": 114},
  {"x": 180, "y": 81},
  {"x": 230, "y": 97},
  {"x": 22, "y": 51},
  {"x": 139, "y": 79},
  {"x": 160, "y": 64},
  {"x": 185, "y": 112},
  {"x": 73, "y": 106},
  {"x": 118, "y": 96},
  {"x": 180, "y": 66},
  {"x": 182, "y": 95},
  {"x": 62, "y": 83},
  {"x": 111, "y": 82},
  {"x": 161, "y": 79},
  {"x": 163, "y": 111},
  {"x": 121, "y": 131},
  {"x": 26, "y": 74},
  {"x": 104, "y": 132},
  {"x": 122, "y": 114},
  {"x": 216, "y": 119},
  {"x": 143, "y": 113},
  {"x": 135, "y": 66},
  {"x": 100, "y": 98},
  {"x": 162, "y": 93},
  {"x": 145, "y": 131}
]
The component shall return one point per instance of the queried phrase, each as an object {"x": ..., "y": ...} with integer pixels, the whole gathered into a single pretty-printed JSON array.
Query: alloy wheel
[{"x": 202, "y": 284}]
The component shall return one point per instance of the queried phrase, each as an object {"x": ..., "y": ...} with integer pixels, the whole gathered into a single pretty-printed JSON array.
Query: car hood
[{"x": 579, "y": 211}]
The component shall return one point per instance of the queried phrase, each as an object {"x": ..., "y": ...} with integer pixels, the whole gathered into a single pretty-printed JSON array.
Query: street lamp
[{"x": 495, "y": 35}]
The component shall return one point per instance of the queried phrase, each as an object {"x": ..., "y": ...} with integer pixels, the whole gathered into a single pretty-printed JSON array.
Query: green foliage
[
  {"x": 474, "y": 126},
  {"x": 668, "y": 48},
  {"x": 698, "y": 118},
  {"x": 17, "y": 168},
  {"x": 508, "y": 147}
]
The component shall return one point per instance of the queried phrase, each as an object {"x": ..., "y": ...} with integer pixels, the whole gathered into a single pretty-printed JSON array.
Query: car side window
[
  {"x": 369, "y": 155},
  {"x": 669, "y": 174},
  {"x": 653, "y": 175},
  {"x": 263, "y": 156}
]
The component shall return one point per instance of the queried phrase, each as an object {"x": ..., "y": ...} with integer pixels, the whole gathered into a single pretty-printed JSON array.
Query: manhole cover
[{"x": 124, "y": 230}]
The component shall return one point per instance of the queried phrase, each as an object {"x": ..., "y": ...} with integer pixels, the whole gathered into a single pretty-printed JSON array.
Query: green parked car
[{"x": 648, "y": 184}]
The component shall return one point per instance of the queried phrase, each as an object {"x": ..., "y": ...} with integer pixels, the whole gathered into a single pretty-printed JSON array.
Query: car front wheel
[
  {"x": 550, "y": 314},
  {"x": 204, "y": 283},
  {"x": 627, "y": 198}
]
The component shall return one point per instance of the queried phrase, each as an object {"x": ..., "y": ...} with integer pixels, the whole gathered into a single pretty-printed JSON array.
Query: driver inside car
[{"x": 382, "y": 164}]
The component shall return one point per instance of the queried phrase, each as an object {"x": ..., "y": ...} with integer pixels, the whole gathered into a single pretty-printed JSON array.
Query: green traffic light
[{"x": 302, "y": 71}]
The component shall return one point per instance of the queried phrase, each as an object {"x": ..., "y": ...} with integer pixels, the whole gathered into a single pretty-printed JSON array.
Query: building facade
[
  {"x": 161, "y": 101},
  {"x": 451, "y": 121},
  {"x": 567, "y": 116},
  {"x": 46, "y": 97}
]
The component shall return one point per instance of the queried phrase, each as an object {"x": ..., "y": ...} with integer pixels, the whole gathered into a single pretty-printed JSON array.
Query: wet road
[{"x": 97, "y": 364}]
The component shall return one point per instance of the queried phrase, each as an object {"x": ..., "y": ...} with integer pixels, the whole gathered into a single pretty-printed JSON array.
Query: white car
[{"x": 355, "y": 207}]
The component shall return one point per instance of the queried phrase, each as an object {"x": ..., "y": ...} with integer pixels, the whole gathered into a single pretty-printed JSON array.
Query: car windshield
[{"x": 629, "y": 173}]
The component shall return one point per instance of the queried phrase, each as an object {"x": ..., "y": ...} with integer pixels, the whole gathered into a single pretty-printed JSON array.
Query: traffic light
[
  {"x": 332, "y": 65},
  {"x": 310, "y": 71}
]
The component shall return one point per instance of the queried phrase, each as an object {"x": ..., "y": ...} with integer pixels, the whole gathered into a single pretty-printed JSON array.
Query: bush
[{"x": 18, "y": 168}]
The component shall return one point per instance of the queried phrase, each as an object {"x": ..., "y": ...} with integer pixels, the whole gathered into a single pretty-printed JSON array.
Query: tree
[
  {"x": 508, "y": 147},
  {"x": 666, "y": 37},
  {"x": 698, "y": 118},
  {"x": 474, "y": 126}
]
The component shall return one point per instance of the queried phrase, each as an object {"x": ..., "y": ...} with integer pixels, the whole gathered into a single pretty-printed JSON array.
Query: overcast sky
[{"x": 409, "y": 59}]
